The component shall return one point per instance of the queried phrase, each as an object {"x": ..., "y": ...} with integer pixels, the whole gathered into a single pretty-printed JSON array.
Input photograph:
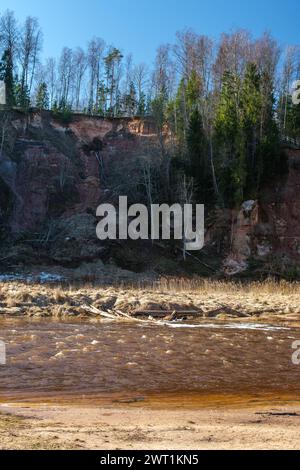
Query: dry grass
[
  {"x": 209, "y": 298},
  {"x": 204, "y": 286}
]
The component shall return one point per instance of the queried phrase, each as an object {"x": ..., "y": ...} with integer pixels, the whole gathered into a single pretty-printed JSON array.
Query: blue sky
[{"x": 139, "y": 26}]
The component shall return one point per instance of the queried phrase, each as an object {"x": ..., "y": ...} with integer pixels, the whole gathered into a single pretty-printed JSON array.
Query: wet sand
[{"x": 138, "y": 428}]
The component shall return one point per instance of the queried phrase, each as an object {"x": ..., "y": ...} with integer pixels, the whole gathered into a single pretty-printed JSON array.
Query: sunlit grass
[{"x": 169, "y": 294}]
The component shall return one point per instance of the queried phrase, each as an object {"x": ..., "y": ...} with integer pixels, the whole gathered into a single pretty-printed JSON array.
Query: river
[{"x": 61, "y": 361}]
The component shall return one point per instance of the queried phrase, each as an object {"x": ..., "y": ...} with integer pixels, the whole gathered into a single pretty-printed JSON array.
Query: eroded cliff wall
[{"x": 54, "y": 174}]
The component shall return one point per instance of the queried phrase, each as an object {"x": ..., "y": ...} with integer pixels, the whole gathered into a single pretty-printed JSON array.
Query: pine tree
[
  {"x": 62, "y": 110},
  {"x": 118, "y": 105},
  {"x": 158, "y": 107},
  {"x": 55, "y": 108},
  {"x": 21, "y": 94},
  {"x": 273, "y": 161},
  {"x": 112, "y": 62},
  {"x": 142, "y": 105},
  {"x": 130, "y": 101},
  {"x": 197, "y": 153},
  {"x": 230, "y": 142},
  {"x": 6, "y": 75},
  {"x": 101, "y": 99},
  {"x": 42, "y": 97},
  {"x": 251, "y": 108},
  {"x": 193, "y": 92},
  {"x": 177, "y": 112}
]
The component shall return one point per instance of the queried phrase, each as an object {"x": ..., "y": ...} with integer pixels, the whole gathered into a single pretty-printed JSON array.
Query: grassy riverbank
[{"x": 198, "y": 299}]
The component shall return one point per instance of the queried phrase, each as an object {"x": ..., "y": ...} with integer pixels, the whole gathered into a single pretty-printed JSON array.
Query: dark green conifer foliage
[
  {"x": 42, "y": 99},
  {"x": 7, "y": 75},
  {"x": 197, "y": 154}
]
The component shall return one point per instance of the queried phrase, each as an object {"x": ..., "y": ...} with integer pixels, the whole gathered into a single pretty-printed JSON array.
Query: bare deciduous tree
[
  {"x": 140, "y": 78},
  {"x": 65, "y": 70},
  {"x": 95, "y": 53},
  {"x": 9, "y": 33},
  {"x": 80, "y": 66},
  {"x": 51, "y": 79},
  {"x": 30, "y": 47}
]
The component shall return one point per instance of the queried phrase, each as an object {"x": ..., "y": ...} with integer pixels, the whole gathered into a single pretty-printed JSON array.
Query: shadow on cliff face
[
  {"x": 54, "y": 174},
  {"x": 8, "y": 190},
  {"x": 6, "y": 205}
]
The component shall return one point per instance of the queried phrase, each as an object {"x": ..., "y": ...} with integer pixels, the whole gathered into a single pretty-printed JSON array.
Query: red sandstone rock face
[
  {"x": 59, "y": 165},
  {"x": 58, "y": 176},
  {"x": 271, "y": 227},
  {"x": 243, "y": 226},
  {"x": 89, "y": 188},
  {"x": 280, "y": 209},
  {"x": 89, "y": 129},
  {"x": 38, "y": 172}
]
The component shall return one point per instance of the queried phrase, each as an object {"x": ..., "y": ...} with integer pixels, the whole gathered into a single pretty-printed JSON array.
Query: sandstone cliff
[{"x": 54, "y": 174}]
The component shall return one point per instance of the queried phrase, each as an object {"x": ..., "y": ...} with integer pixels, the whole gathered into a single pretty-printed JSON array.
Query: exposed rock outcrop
[
  {"x": 267, "y": 231},
  {"x": 54, "y": 174}
]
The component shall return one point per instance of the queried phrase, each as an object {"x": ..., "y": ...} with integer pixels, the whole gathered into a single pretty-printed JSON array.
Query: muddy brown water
[{"x": 62, "y": 362}]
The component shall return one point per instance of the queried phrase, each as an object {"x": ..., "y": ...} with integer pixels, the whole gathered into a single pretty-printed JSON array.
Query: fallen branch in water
[
  {"x": 162, "y": 314},
  {"x": 96, "y": 311},
  {"x": 129, "y": 317},
  {"x": 118, "y": 315}
]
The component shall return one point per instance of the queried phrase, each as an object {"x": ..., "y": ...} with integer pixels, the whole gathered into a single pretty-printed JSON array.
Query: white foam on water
[{"x": 231, "y": 326}]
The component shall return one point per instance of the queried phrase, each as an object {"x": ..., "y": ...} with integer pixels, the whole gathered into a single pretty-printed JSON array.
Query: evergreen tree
[
  {"x": 177, "y": 112},
  {"x": 62, "y": 110},
  {"x": 42, "y": 98},
  {"x": 55, "y": 108},
  {"x": 231, "y": 163},
  {"x": 197, "y": 152},
  {"x": 142, "y": 105},
  {"x": 193, "y": 92},
  {"x": 273, "y": 161},
  {"x": 118, "y": 105},
  {"x": 158, "y": 107},
  {"x": 130, "y": 101},
  {"x": 22, "y": 97},
  {"x": 6, "y": 75},
  {"x": 112, "y": 62},
  {"x": 101, "y": 99},
  {"x": 181, "y": 108},
  {"x": 251, "y": 108}
]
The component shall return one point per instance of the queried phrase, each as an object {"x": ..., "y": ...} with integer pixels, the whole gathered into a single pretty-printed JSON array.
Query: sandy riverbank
[{"x": 111, "y": 428}]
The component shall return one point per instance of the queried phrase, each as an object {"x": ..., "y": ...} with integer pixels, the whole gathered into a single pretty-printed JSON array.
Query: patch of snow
[
  {"x": 264, "y": 249},
  {"x": 233, "y": 266},
  {"x": 248, "y": 206},
  {"x": 46, "y": 277},
  {"x": 42, "y": 278}
]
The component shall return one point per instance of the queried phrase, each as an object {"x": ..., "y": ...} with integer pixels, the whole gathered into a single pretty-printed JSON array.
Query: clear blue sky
[{"x": 139, "y": 26}]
